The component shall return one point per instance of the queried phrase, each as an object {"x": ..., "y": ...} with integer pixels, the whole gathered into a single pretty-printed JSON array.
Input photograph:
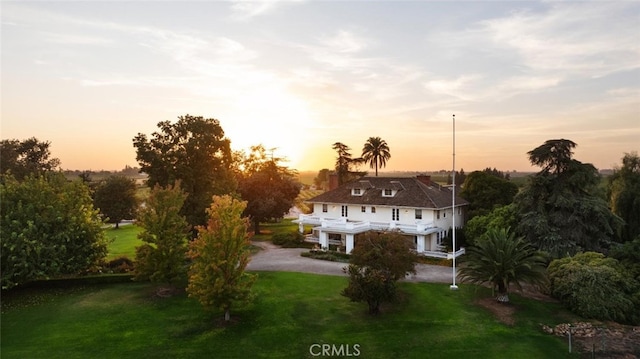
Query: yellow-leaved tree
[{"x": 220, "y": 255}]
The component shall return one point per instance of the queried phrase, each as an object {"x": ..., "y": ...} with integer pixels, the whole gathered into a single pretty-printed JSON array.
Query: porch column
[
  {"x": 300, "y": 227},
  {"x": 420, "y": 243},
  {"x": 350, "y": 243},
  {"x": 323, "y": 237}
]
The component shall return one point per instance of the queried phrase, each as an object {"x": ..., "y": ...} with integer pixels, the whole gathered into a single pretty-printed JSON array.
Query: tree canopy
[
  {"x": 269, "y": 189},
  {"x": 30, "y": 156},
  {"x": 165, "y": 233},
  {"x": 345, "y": 162},
  {"x": 116, "y": 198},
  {"x": 558, "y": 210},
  {"x": 48, "y": 227},
  {"x": 501, "y": 260},
  {"x": 624, "y": 194},
  {"x": 220, "y": 255},
  {"x": 376, "y": 152},
  {"x": 485, "y": 191},
  {"x": 193, "y": 150},
  {"x": 378, "y": 261}
]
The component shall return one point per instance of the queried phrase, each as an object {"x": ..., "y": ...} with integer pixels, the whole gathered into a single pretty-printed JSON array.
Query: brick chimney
[
  {"x": 333, "y": 181},
  {"x": 424, "y": 179}
]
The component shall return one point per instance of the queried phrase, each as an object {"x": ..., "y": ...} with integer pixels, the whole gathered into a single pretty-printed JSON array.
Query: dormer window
[
  {"x": 356, "y": 192},
  {"x": 387, "y": 192}
]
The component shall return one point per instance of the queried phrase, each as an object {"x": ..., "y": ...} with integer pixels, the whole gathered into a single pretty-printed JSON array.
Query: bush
[
  {"x": 120, "y": 265},
  {"x": 331, "y": 256},
  {"x": 291, "y": 239},
  {"x": 594, "y": 286}
]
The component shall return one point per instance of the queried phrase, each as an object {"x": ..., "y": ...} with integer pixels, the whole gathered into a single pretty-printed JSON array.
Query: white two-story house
[{"x": 417, "y": 207}]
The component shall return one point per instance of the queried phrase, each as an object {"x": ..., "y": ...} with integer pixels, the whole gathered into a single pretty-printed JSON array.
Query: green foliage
[
  {"x": 27, "y": 157},
  {"x": 269, "y": 189},
  {"x": 624, "y": 194},
  {"x": 344, "y": 163},
  {"x": 291, "y": 239},
  {"x": 321, "y": 181},
  {"x": 331, "y": 256},
  {"x": 220, "y": 255},
  {"x": 165, "y": 232},
  {"x": 378, "y": 261},
  {"x": 485, "y": 191},
  {"x": 116, "y": 198},
  {"x": 594, "y": 286},
  {"x": 48, "y": 227},
  {"x": 502, "y": 260},
  {"x": 500, "y": 217},
  {"x": 194, "y": 151},
  {"x": 558, "y": 211},
  {"x": 376, "y": 152},
  {"x": 628, "y": 254}
]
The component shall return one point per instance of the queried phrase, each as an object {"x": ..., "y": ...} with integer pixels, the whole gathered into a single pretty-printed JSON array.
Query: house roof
[{"x": 410, "y": 192}]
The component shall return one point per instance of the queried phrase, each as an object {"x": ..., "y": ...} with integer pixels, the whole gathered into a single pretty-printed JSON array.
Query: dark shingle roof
[{"x": 411, "y": 192}]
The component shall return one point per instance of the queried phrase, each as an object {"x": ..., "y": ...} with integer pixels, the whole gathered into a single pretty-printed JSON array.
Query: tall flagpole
[{"x": 453, "y": 205}]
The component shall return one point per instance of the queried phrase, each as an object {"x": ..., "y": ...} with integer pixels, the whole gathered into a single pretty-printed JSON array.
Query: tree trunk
[
  {"x": 227, "y": 315},
  {"x": 374, "y": 307},
  {"x": 503, "y": 295},
  {"x": 256, "y": 227},
  {"x": 117, "y": 225}
]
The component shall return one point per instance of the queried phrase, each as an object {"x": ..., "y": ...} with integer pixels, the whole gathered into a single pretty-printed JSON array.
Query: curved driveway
[{"x": 274, "y": 258}]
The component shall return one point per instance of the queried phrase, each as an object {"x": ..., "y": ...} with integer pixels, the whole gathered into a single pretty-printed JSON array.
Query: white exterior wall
[{"x": 383, "y": 214}]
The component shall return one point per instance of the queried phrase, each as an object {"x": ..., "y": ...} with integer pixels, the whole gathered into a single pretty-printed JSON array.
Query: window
[
  {"x": 325, "y": 208},
  {"x": 418, "y": 214},
  {"x": 395, "y": 214},
  {"x": 437, "y": 214},
  {"x": 356, "y": 192},
  {"x": 363, "y": 209},
  {"x": 373, "y": 209},
  {"x": 345, "y": 211},
  {"x": 387, "y": 193}
]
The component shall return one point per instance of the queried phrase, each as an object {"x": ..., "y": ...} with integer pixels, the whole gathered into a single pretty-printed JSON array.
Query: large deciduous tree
[
  {"x": 376, "y": 152},
  {"x": 269, "y": 189},
  {"x": 48, "y": 227},
  {"x": 624, "y": 195},
  {"x": 220, "y": 255},
  {"x": 378, "y": 261},
  {"x": 485, "y": 191},
  {"x": 116, "y": 198},
  {"x": 193, "y": 150},
  {"x": 558, "y": 210},
  {"x": 30, "y": 156},
  {"x": 165, "y": 232},
  {"x": 502, "y": 260}
]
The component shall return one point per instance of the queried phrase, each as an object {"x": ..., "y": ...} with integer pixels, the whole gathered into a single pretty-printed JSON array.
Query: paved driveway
[{"x": 274, "y": 258}]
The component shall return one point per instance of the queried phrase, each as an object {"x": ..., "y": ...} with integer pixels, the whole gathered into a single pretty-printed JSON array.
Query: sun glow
[{"x": 273, "y": 117}]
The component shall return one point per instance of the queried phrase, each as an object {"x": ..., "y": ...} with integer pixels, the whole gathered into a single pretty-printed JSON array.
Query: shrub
[
  {"x": 120, "y": 265},
  {"x": 594, "y": 286},
  {"x": 291, "y": 239}
]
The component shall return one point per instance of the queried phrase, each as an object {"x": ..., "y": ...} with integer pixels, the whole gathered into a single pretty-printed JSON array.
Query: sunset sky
[{"x": 300, "y": 75}]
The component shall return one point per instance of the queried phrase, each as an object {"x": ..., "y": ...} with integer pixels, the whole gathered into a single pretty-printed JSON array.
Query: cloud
[
  {"x": 590, "y": 39},
  {"x": 247, "y": 9}
]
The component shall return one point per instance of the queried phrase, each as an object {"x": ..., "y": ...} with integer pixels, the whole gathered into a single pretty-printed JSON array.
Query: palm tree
[
  {"x": 376, "y": 153},
  {"x": 501, "y": 260}
]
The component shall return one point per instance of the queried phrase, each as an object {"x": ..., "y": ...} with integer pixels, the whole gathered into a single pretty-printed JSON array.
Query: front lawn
[
  {"x": 124, "y": 241},
  {"x": 291, "y": 313}
]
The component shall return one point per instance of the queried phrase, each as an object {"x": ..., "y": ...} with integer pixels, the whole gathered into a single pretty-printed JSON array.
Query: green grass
[
  {"x": 291, "y": 311},
  {"x": 269, "y": 229},
  {"x": 125, "y": 240}
]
